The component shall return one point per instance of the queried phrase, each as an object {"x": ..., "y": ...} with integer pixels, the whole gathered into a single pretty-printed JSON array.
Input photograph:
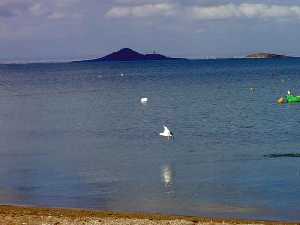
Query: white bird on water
[
  {"x": 144, "y": 100},
  {"x": 166, "y": 133}
]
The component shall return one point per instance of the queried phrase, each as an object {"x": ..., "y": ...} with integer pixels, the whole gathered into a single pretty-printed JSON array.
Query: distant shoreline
[
  {"x": 10, "y": 214},
  {"x": 129, "y": 55},
  {"x": 186, "y": 59}
]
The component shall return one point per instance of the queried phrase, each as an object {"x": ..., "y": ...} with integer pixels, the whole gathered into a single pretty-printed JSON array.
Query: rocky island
[
  {"x": 127, "y": 54},
  {"x": 263, "y": 55}
]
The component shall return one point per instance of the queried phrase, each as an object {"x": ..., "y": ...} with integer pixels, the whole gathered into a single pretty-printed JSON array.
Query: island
[
  {"x": 127, "y": 54},
  {"x": 264, "y": 55}
]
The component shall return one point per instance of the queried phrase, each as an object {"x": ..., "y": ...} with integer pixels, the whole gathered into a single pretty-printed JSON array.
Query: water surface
[{"x": 76, "y": 135}]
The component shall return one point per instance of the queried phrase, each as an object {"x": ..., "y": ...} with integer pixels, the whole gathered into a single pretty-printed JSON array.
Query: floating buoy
[
  {"x": 281, "y": 100},
  {"x": 144, "y": 100}
]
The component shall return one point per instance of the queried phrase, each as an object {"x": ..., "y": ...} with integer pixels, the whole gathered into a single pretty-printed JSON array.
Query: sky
[{"x": 62, "y": 30}]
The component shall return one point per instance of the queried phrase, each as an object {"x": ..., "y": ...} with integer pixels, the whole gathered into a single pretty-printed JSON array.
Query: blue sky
[{"x": 55, "y": 30}]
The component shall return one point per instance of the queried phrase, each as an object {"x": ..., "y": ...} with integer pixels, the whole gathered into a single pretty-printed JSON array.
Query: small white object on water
[
  {"x": 166, "y": 133},
  {"x": 144, "y": 100},
  {"x": 122, "y": 74}
]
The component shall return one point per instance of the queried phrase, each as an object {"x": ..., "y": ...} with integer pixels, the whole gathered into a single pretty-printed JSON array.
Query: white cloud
[
  {"x": 13, "y": 8},
  {"x": 208, "y": 12},
  {"x": 55, "y": 9},
  {"x": 213, "y": 12},
  {"x": 37, "y": 9},
  {"x": 245, "y": 10},
  {"x": 141, "y": 2},
  {"x": 142, "y": 10},
  {"x": 56, "y": 16}
]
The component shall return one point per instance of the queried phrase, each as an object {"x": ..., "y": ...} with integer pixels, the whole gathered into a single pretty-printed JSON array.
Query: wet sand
[{"x": 15, "y": 215}]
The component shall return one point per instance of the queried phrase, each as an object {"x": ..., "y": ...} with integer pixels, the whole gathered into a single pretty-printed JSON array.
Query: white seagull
[
  {"x": 166, "y": 133},
  {"x": 144, "y": 100}
]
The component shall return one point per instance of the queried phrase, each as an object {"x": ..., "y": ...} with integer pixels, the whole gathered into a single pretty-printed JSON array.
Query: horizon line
[{"x": 52, "y": 61}]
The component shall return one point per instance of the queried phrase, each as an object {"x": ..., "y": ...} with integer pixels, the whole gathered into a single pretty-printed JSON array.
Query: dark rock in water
[
  {"x": 289, "y": 155},
  {"x": 127, "y": 54},
  {"x": 263, "y": 55}
]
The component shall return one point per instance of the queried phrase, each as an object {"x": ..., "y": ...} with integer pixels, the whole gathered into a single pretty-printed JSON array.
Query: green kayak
[{"x": 292, "y": 98}]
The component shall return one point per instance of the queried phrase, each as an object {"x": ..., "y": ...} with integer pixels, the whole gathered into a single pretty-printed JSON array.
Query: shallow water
[{"x": 76, "y": 135}]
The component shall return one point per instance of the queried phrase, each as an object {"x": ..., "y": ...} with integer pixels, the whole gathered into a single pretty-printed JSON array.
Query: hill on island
[
  {"x": 127, "y": 54},
  {"x": 264, "y": 55}
]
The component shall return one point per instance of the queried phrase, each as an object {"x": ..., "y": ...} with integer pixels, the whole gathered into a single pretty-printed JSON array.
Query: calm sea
[{"x": 76, "y": 135}]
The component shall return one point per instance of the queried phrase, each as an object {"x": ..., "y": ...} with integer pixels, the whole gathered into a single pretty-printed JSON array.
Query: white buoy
[
  {"x": 144, "y": 100},
  {"x": 166, "y": 133},
  {"x": 122, "y": 74}
]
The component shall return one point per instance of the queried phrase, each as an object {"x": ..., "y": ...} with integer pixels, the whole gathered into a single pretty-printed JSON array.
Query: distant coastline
[{"x": 127, "y": 54}]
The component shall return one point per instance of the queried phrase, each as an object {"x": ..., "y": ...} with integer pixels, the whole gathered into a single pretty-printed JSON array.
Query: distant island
[
  {"x": 263, "y": 55},
  {"x": 127, "y": 54}
]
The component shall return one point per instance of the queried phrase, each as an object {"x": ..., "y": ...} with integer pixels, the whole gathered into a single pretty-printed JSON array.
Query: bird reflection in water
[{"x": 167, "y": 176}]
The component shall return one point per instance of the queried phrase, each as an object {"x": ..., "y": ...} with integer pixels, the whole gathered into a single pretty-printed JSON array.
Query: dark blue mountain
[{"x": 127, "y": 54}]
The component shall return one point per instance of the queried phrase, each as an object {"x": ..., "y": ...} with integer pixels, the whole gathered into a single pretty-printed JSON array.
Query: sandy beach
[{"x": 17, "y": 215}]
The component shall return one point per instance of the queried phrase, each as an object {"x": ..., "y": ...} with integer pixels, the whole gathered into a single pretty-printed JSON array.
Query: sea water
[{"x": 76, "y": 135}]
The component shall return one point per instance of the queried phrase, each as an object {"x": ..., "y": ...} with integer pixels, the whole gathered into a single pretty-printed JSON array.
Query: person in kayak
[{"x": 289, "y": 93}]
